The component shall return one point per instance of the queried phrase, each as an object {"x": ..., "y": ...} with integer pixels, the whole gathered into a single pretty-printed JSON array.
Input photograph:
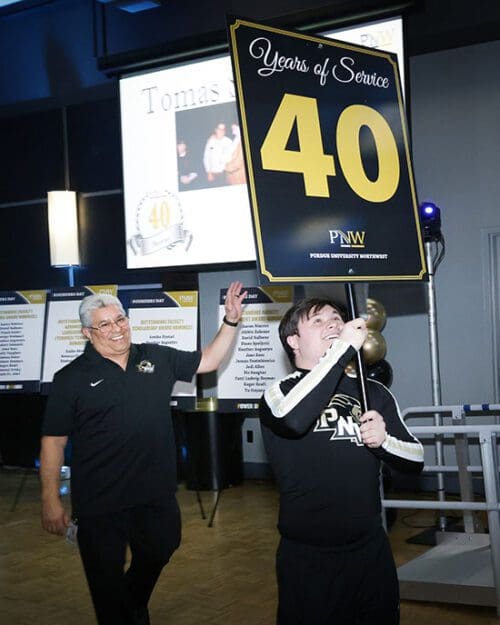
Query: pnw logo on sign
[
  {"x": 351, "y": 238},
  {"x": 341, "y": 419}
]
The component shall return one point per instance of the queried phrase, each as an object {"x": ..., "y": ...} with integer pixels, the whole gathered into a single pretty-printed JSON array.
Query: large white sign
[
  {"x": 258, "y": 357},
  {"x": 64, "y": 340},
  {"x": 22, "y": 315},
  {"x": 166, "y": 318}
]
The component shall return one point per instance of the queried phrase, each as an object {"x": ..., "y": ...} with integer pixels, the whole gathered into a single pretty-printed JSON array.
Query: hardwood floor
[{"x": 222, "y": 575}]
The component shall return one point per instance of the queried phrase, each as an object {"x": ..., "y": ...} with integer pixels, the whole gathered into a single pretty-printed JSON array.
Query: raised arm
[
  {"x": 213, "y": 354},
  {"x": 54, "y": 517},
  {"x": 289, "y": 408}
]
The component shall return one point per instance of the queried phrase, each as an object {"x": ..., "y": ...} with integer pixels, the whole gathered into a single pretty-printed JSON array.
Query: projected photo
[
  {"x": 184, "y": 175},
  {"x": 209, "y": 150}
]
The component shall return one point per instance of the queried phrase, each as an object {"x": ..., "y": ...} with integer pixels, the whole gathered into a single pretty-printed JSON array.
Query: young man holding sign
[
  {"x": 114, "y": 402},
  {"x": 334, "y": 562}
]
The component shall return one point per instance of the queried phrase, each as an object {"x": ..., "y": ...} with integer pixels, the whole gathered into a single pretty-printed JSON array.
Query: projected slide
[{"x": 186, "y": 200}]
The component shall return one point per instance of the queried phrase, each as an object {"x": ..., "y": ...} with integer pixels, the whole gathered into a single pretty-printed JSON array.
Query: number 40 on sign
[{"x": 312, "y": 162}]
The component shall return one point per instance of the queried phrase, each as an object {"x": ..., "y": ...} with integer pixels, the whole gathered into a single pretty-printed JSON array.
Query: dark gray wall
[{"x": 455, "y": 99}]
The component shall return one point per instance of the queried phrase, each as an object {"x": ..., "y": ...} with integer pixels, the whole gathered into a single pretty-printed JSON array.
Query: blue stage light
[
  {"x": 429, "y": 209},
  {"x": 430, "y": 216}
]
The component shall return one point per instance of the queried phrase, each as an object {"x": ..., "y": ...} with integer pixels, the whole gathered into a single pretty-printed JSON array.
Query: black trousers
[
  {"x": 153, "y": 533},
  {"x": 321, "y": 587}
]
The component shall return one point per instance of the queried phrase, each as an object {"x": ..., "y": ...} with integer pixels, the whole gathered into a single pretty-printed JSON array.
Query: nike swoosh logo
[{"x": 96, "y": 383}]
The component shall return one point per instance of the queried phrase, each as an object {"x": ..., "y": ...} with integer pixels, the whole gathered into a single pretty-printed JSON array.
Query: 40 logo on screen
[{"x": 159, "y": 222}]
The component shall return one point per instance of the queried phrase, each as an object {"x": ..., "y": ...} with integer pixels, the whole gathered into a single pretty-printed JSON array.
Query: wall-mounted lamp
[
  {"x": 63, "y": 228},
  {"x": 63, "y": 217},
  {"x": 63, "y": 231}
]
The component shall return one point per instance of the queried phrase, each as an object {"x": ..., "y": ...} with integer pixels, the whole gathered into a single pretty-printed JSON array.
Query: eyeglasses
[{"x": 106, "y": 326}]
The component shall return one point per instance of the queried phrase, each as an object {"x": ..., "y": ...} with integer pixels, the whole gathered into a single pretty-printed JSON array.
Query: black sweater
[{"x": 327, "y": 478}]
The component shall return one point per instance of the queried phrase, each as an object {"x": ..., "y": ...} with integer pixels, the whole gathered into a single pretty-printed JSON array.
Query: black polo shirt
[{"x": 119, "y": 422}]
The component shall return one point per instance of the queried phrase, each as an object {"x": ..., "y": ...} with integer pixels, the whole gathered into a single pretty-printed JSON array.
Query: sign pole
[{"x": 360, "y": 364}]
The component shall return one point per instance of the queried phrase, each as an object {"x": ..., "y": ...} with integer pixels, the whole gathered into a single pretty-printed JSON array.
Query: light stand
[
  {"x": 431, "y": 225},
  {"x": 430, "y": 216},
  {"x": 431, "y": 228},
  {"x": 63, "y": 231}
]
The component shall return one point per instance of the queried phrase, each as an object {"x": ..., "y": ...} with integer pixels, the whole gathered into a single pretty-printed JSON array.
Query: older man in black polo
[{"x": 114, "y": 403}]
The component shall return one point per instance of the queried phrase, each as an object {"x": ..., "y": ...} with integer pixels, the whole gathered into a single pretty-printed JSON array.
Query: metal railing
[{"x": 488, "y": 436}]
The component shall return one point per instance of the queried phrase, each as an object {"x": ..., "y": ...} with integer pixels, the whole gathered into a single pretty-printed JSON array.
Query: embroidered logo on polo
[
  {"x": 145, "y": 367},
  {"x": 341, "y": 419},
  {"x": 92, "y": 384}
]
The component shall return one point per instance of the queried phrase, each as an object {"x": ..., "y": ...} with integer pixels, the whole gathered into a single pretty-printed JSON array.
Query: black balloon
[{"x": 381, "y": 371}]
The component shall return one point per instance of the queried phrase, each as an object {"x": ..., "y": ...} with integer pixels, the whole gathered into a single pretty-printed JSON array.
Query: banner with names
[
  {"x": 64, "y": 340},
  {"x": 258, "y": 357},
  {"x": 22, "y": 317},
  {"x": 166, "y": 318}
]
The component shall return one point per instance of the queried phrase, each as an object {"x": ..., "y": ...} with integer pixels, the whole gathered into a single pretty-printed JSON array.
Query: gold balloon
[
  {"x": 376, "y": 315},
  {"x": 350, "y": 368},
  {"x": 374, "y": 347}
]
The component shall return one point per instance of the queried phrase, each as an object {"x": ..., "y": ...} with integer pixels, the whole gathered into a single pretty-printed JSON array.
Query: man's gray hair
[{"x": 94, "y": 302}]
